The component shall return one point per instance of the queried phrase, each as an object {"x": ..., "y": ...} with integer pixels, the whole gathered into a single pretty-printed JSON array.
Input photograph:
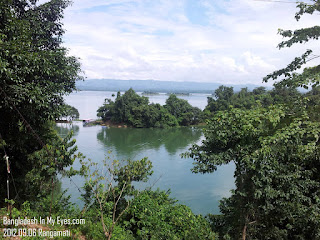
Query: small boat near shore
[{"x": 87, "y": 121}]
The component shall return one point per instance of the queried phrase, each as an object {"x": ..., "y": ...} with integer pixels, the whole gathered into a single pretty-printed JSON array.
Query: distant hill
[{"x": 153, "y": 86}]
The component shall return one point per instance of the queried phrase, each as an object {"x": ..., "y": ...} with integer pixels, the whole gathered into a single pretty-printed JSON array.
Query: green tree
[
  {"x": 106, "y": 111},
  {"x": 244, "y": 99},
  {"x": 276, "y": 153},
  {"x": 222, "y": 98},
  {"x": 276, "y": 157},
  {"x": 183, "y": 111},
  {"x": 154, "y": 215},
  {"x": 135, "y": 110},
  {"x": 283, "y": 94},
  {"x": 152, "y": 115},
  {"x": 70, "y": 112},
  {"x": 107, "y": 188},
  {"x": 121, "y": 110},
  {"x": 126, "y": 213},
  {"x": 313, "y": 97},
  {"x": 125, "y": 104},
  {"x": 35, "y": 73}
]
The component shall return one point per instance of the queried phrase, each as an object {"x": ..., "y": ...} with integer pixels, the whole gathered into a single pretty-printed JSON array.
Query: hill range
[{"x": 154, "y": 86}]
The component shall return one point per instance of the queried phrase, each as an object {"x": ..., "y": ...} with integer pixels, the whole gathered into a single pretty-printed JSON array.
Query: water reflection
[
  {"x": 163, "y": 147},
  {"x": 64, "y": 128},
  {"x": 129, "y": 142}
]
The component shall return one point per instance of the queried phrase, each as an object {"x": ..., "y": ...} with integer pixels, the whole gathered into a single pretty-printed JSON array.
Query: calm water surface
[
  {"x": 162, "y": 146},
  {"x": 87, "y": 102}
]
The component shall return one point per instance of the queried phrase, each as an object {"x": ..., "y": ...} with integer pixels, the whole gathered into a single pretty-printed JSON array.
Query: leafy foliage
[
  {"x": 123, "y": 211},
  {"x": 183, "y": 111},
  {"x": 35, "y": 73},
  {"x": 47, "y": 163},
  {"x": 107, "y": 186},
  {"x": 70, "y": 112},
  {"x": 310, "y": 75},
  {"x": 153, "y": 215},
  {"x": 134, "y": 110},
  {"x": 225, "y": 98},
  {"x": 276, "y": 152},
  {"x": 276, "y": 157},
  {"x": 313, "y": 98}
]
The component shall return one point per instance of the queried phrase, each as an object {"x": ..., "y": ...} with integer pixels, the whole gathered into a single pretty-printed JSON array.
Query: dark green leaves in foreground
[
  {"x": 154, "y": 215},
  {"x": 35, "y": 73},
  {"x": 276, "y": 151},
  {"x": 120, "y": 211}
]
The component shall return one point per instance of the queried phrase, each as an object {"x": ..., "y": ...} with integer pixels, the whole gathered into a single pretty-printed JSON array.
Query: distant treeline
[
  {"x": 225, "y": 99},
  {"x": 135, "y": 110},
  {"x": 152, "y": 86}
]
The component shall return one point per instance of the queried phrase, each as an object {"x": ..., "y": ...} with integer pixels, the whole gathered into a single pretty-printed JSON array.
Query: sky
[{"x": 221, "y": 41}]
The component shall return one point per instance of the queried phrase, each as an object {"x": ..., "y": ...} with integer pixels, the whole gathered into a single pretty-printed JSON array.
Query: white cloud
[
  {"x": 156, "y": 39},
  {"x": 256, "y": 61}
]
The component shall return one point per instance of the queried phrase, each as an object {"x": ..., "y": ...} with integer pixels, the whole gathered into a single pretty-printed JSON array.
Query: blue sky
[{"x": 224, "y": 41}]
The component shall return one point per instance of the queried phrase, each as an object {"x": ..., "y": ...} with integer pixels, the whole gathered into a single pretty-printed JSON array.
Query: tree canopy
[
  {"x": 275, "y": 148},
  {"x": 135, "y": 110},
  {"x": 224, "y": 97},
  {"x": 69, "y": 112},
  {"x": 183, "y": 111},
  {"x": 35, "y": 73}
]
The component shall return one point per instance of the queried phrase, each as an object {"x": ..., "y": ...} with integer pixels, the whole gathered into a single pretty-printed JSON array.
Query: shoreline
[{"x": 110, "y": 124}]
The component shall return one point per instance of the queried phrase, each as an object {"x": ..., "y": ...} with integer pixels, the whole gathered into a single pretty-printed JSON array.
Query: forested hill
[{"x": 153, "y": 86}]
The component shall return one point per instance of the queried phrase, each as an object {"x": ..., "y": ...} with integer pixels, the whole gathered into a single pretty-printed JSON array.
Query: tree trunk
[{"x": 244, "y": 232}]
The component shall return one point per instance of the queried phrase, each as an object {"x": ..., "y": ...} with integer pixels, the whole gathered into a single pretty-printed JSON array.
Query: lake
[
  {"x": 162, "y": 146},
  {"x": 88, "y": 102}
]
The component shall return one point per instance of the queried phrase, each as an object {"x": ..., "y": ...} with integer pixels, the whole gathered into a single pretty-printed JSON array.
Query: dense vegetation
[
  {"x": 135, "y": 110},
  {"x": 275, "y": 147},
  {"x": 35, "y": 73},
  {"x": 225, "y": 98},
  {"x": 148, "y": 215}
]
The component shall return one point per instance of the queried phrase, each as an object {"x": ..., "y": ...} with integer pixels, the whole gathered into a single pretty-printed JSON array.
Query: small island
[
  {"x": 133, "y": 110},
  {"x": 149, "y": 93},
  {"x": 179, "y": 94}
]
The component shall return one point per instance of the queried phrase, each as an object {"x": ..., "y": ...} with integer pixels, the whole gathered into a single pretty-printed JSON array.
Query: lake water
[
  {"x": 88, "y": 102},
  {"x": 162, "y": 146}
]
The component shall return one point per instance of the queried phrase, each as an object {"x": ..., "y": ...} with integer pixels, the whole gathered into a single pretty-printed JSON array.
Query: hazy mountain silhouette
[{"x": 153, "y": 86}]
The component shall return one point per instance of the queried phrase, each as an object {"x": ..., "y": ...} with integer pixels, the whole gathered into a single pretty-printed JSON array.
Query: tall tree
[
  {"x": 183, "y": 111},
  {"x": 35, "y": 73},
  {"x": 222, "y": 96},
  {"x": 276, "y": 153}
]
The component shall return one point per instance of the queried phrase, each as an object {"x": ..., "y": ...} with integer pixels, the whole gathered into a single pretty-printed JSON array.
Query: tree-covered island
[{"x": 135, "y": 111}]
